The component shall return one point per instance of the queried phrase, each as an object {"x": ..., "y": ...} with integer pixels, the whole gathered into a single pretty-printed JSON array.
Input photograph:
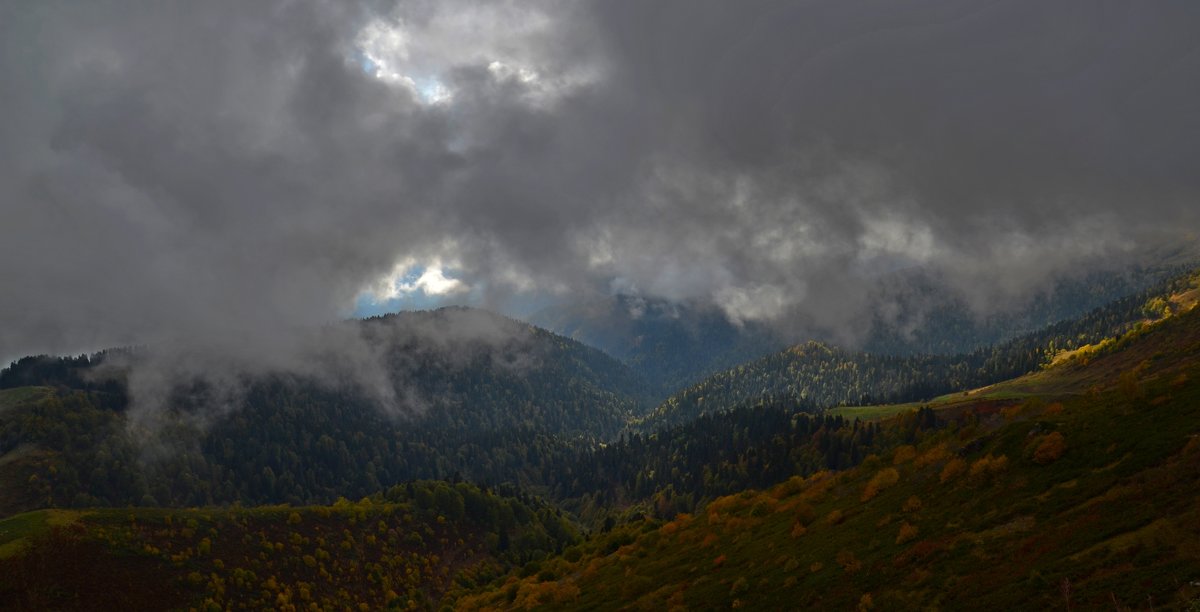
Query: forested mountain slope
[
  {"x": 676, "y": 345},
  {"x": 1082, "y": 495},
  {"x": 924, "y": 320},
  {"x": 491, "y": 403},
  {"x": 825, "y": 376}
]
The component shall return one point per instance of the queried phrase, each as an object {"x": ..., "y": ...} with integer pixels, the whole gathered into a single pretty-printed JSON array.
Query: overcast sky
[{"x": 190, "y": 167}]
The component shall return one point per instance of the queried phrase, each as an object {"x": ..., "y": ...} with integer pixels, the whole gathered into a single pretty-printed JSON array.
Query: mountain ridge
[{"x": 827, "y": 376}]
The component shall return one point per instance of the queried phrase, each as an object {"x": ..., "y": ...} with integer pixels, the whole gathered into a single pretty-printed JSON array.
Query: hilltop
[{"x": 491, "y": 391}]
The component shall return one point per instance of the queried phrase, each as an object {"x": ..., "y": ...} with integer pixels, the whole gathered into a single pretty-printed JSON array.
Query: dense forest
[
  {"x": 681, "y": 469},
  {"x": 492, "y": 411},
  {"x": 68, "y": 451}
]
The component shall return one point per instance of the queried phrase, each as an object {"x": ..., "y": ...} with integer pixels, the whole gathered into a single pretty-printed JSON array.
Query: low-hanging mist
[{"x": 220, "y": 170}]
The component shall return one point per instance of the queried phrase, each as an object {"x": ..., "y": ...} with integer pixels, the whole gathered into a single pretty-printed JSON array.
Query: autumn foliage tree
[
  {"x": 1050, "y": 449},
  {"x": 880, "y": 481}
]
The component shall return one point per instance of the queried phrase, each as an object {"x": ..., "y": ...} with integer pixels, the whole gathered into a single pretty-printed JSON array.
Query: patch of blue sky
[
  {"x": 431, "y": 90},
  {"x": 413, "y": 290},
  {"x": 367, "y": 64},
  {"x": 409, "y": 294}
]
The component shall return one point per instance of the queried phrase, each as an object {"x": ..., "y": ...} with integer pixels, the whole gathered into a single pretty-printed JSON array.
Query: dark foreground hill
[{"x": 401, "y": 549}]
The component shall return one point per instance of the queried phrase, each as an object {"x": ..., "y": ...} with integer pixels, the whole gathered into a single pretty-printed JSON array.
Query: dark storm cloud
[
  {"x": 182, "y": 169},
  {"x": 1001, "y": 143}
]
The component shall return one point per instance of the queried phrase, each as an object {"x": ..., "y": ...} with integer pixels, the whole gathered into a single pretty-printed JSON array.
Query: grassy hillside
[
  {"x": 403, "y": 549},
  {"x": 1083, "y": 495}
]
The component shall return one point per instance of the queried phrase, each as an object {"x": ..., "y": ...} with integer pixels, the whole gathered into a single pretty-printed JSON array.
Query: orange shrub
[
  {"x": 980, "y": 467},
  {"x": 1052, "y": 447},
  {"x": 788, "y": 488},
  {"x": 566, "y": 592},
  {"x": 988, "y": 466},
  {"x": 904, "y": 454},
  {"x": 835, "y": 517},
  {"x": 953, "y": 470},
  {"x": 880, "y": 481},
  {"x": 722, "y": 504},
  {"x": 805, "y": 513},
  {"x": 934, "y": 455},
  {"x": 763, "y": 505},
  {"x": 1192, "y": 445},
  {"x": 866, "y": 603},
  {"x": 907, "y": 533},
  {"x": 593, "y": 566}
]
